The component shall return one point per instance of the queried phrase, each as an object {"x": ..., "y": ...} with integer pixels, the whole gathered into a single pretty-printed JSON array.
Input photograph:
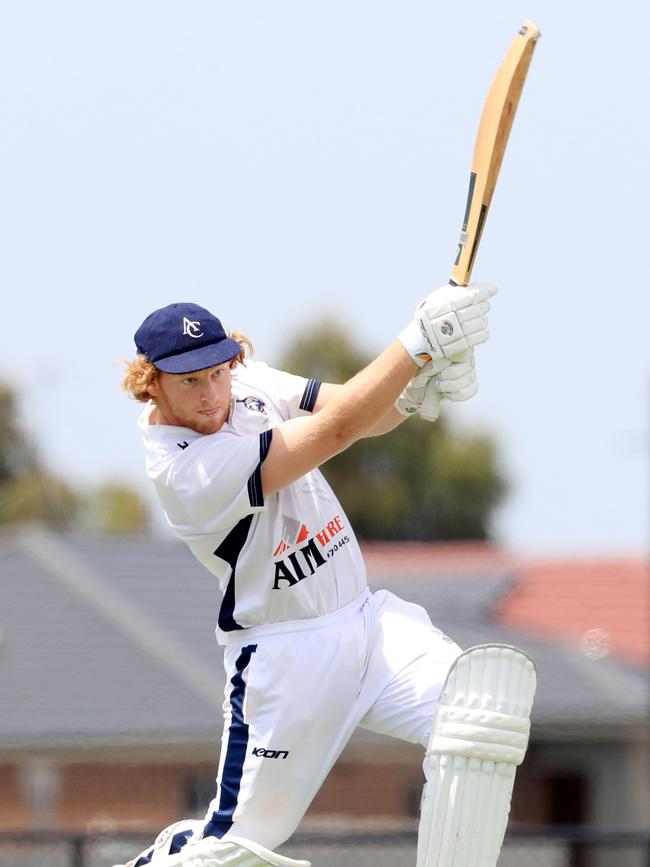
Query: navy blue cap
[{"x": 182, "y": 338}]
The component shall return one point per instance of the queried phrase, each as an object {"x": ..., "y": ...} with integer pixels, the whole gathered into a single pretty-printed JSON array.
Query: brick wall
[
  {"x": 100, "y": 796},
  {"x": 127, "y": 796}
]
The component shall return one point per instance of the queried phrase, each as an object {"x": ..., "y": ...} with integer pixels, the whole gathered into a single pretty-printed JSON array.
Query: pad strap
[{"x": 480, "y": 734}]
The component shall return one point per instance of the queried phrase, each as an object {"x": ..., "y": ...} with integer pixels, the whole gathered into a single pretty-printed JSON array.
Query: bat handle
[{"x": 465, "y": 355}]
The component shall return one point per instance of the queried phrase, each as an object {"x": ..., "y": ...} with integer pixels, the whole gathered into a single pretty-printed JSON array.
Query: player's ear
[{"x": 154, "y": 387}]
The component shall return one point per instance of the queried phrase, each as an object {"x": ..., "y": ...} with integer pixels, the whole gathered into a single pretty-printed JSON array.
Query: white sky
[{"x": 282, "y": 161}]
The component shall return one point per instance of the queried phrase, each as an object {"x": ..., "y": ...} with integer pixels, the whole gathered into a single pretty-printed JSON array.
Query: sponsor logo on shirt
[
  {"x": 293, "y": 533},
  {"x": 303, "y": 562}
]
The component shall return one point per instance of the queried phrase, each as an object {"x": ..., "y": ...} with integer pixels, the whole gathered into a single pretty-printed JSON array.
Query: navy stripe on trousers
[{"x": 222, "y": 819}]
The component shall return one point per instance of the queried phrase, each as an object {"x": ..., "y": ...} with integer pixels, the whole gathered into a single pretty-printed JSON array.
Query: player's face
[{"x": 199, "y": 400}]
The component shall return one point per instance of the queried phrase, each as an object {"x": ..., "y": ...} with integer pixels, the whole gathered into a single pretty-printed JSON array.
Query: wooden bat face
[{"x": 491, "y": 140}]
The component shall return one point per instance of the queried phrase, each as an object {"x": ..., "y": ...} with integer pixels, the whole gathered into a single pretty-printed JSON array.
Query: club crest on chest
[{"x": 254, "y": 404}]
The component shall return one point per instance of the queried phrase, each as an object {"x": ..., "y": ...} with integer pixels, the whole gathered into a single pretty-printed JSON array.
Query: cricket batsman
[{"x": 233, "y": 449}]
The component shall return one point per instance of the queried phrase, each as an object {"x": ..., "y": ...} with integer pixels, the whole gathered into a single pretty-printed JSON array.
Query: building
[{"x": 110, "y": 706}]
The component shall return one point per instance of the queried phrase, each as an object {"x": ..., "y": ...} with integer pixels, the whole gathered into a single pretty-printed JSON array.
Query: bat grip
[{"x": 460, "y": 356}]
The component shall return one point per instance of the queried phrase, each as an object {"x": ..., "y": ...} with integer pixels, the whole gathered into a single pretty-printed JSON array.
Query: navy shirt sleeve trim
[
  {"x": 309, "y": 395},
  {"x": 255, "y": 493}
]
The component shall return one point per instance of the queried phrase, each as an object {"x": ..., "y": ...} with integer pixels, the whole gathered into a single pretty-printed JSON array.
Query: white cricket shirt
[{"x": 289, "y": 556}]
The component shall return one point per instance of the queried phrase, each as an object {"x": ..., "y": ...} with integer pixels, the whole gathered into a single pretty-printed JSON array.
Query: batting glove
[
  {"x": 410, "y": 400},
  {"x": 449, "y": 321},
  {"x": 457, "y": 381}
]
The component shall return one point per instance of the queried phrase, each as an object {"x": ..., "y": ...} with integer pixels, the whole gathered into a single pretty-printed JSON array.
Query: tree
[
  {"x": 29, "y": 492},
  {"x": 41, "y": 497},
  {"x": 116, "y": 509},
  {"x": 420, "y": 481},
  {"x": 17, "y": 454}
]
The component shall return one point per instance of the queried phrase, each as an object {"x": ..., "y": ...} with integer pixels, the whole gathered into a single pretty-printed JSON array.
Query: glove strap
[{"x": 413, "y": 342}]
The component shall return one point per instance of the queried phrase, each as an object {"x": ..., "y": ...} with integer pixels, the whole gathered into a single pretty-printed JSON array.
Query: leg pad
[{"x": 479, "y": 736}]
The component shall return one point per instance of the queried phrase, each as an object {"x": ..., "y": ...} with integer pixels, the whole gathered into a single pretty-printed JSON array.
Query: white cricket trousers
[{"x": 296, "y": 691}]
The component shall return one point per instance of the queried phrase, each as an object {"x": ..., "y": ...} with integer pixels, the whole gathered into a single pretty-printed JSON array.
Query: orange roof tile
[
  {"x": 602, "y": 604},
  {"x": 448, "y": 559}
]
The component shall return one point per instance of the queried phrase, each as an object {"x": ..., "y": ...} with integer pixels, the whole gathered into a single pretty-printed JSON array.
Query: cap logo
[{"x": 191, "y": 328}]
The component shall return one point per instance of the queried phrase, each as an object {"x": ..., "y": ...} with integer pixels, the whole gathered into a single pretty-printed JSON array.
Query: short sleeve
[
  {"x": 293, "y": 395},
  {"x": 217, "y": 479}
]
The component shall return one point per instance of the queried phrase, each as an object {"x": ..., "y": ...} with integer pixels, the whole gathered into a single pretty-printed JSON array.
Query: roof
[
  {"x": 430, "y": 559},
  {"x": 105, "y": 642},
  {"x": 603, "y": 605},
  {"x": 110, "y": 642},
  {"x": 466, "y": 589}
]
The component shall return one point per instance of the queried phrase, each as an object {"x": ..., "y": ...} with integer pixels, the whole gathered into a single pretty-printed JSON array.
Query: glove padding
[
  {"x": 410, "y": 400},
  {"x": 449, "y": 321},
  {"x": 457, "y": 381}
]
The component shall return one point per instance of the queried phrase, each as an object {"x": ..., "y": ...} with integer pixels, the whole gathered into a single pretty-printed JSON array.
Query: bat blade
[{"x": 491, "y": 140}]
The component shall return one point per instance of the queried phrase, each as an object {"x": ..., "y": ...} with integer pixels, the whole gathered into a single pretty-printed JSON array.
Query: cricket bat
[{"x": 491, "y": 140}]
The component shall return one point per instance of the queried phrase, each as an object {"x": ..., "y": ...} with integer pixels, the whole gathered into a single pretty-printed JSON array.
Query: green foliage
[
  {"x": 40, "y": 497},
  {"x": 326, "y": 352},
  {"x": 116, "y": 509},
  {"x": 17, "y": 455},
  {"x": 29, "y": 493},
  {"x": 421, "y": 481},
  {"x": 469, "y": 486}
]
